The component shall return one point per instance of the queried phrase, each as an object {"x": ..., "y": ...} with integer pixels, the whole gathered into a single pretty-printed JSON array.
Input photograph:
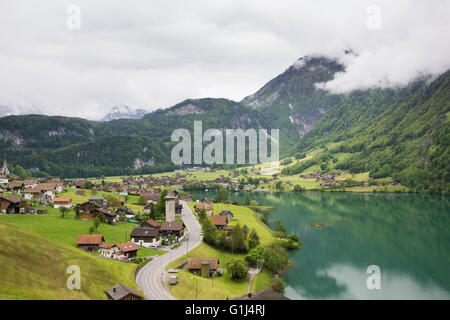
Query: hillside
[
  {"x": 402, "y": 133},
  {"x": 35, "y": 268}
]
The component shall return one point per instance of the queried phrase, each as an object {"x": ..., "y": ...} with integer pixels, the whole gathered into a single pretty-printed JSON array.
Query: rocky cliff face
[{"x": 293, "y": 99}]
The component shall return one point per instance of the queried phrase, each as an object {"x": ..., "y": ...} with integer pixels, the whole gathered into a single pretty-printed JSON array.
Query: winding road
[{"x": 152, "y": 279}]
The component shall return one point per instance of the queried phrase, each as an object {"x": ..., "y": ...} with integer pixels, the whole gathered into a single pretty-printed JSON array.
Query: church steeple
[{"x": 5, "y": 170}]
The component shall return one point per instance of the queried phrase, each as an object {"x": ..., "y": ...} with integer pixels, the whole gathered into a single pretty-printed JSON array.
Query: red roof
[
  {"x": 127, "y": 246},
  {"x": 152, "y": 223},
  {"x": 62, "y": 200},
  {"x": 219, "y": 220},
  {"x": 107, "y": 245},
  {"x": 90, "y": 239}
]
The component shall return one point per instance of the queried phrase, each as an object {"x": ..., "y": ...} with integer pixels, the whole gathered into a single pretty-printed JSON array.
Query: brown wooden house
[
  {"x": 219, "y": 221},
  {"x": 121, "y": 292},
  {"x": 147, "y": 237},
  {"x": 11, "y": 205},
  {"x": 90, "y": 243},
  {"x": 206, "y": 267},
  {"x": 173, "y": 228}
]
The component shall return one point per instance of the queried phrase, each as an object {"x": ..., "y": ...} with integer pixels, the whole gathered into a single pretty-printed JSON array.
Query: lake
[{"x": 406, "y": 236}]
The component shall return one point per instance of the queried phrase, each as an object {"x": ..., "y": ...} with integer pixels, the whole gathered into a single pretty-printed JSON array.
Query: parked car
[{"x": 172, "y": 271}]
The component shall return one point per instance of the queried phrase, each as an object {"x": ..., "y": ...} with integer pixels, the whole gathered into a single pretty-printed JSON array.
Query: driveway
[{"x": 152, "y": 279}]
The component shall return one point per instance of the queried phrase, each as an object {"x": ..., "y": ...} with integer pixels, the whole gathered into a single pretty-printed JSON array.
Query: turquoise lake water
[{"x": 407, "y": 236}]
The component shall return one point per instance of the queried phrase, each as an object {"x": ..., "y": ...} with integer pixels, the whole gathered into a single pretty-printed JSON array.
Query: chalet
[
  {"x": 121, "y": 201},
  {"x": 127, "y": 211},
  {"x": 173, "y": 228},
  {"x": 14, "y": 187},
  {"x": 32, "y": 194},
  {"x": 206, "y": 267},
  {"x": 206, "y": 200},
  {"x": 121, "y": 292},
  {"x": 89, "y": 210},
  {"x": 267, "y": 294},
  {"x": 100, "y": 200},
  {"x": 62, "y": 202},
  {"x": 108, "y": 250},
  {"x": 79, "y": 193},
  {"x": 219, "y": 221},
  {"x": 86, "y": 206},
  {"x": 90, "y": 243},
  {"x": 30, "y": 184},
  {"x": 147, "y": 237},
  {"x": 11, "y": 205},
  {"x": 3, "y": 179},
  {"x": 208, "y": 208},
  {"x": 59, "y": 186},
  {"x": 228, "y": 214},
  {"x": 48, "y": 191},
  {"x": 127, "y": 250},
  {"x": 79, "y": 184},
  {"x": 228, "y": 229}
]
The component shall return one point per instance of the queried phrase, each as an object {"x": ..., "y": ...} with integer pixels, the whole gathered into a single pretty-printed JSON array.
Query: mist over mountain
[{"x": 390, "y": 132}]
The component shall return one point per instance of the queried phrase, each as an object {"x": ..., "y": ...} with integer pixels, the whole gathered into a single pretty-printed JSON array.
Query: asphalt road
[{"x": 152, "y": 279}]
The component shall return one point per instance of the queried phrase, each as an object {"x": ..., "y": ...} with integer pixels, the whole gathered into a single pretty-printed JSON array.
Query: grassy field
[
  {"x": 219, "y": 288},
  {"x": 34, "y": 267},
  {"x": 223, "y": 287},
  {"x": 65, "y": 231}
]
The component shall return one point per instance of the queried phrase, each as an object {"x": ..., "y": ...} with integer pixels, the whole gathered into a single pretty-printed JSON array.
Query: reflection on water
[{"x": 406, "y": 235}]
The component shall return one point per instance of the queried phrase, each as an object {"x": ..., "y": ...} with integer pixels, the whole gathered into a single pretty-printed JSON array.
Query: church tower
[
  {"x": 5, "y": 171},
  {"x": 170, "y": 206}
]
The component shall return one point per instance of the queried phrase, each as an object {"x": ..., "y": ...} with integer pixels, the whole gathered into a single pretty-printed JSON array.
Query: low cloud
[{"x": 153, "y": 54}]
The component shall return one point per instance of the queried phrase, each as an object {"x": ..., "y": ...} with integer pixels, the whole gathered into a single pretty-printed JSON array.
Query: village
[{"x": 162, "y": 232}]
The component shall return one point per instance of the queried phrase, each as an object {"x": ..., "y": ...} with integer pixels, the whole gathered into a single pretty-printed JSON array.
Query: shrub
[{"x": 237, "y": 270}]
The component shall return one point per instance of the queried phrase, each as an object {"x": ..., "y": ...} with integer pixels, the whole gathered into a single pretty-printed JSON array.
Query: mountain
[
  {"x": 75, "y": 147},
  {"x": 292, "y": 101},
  {"x": 124, "y": 112},
  {"x": 401, "y": 133}
]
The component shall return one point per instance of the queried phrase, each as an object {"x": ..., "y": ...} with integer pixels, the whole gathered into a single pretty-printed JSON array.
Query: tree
[
  {"x": 237, "y": 270},
  {"x": 160, "y": 207},
  {"x": 278, "y": 284},
  {"x": 223, "y": 241},
  {"x": 209, "y": 231},
  {"x": 152, "y": 212},
  {"x": 87, "y": 185},
  {"x": 96, "y": 222},
  {"x": 276, "y": 258},
  {"x": 292, "y": 236},
  {"x": 237, "y": 236},
  {"x": 279, "y": 227},
  {"x": 113, "y": 202},
  {"x": 297, "y": 188},
  {"x": 222, "y": 196},
  {"x": 247, "y": 200},
  {"x": 245, "y": 229},
  {"x": 254, "y": 256},
  {"x": 253, "y": 240},
  {"x": 94, "y": 192},
  {"x": 77, "y": 213},
  {"x": 63, "y": 211},
  {"x": 202, "y": 214},
  {"x": 142, "y": 201}
]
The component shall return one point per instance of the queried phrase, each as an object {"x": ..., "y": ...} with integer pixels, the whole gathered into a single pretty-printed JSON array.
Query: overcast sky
[{"x": 152, "y": 54}]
